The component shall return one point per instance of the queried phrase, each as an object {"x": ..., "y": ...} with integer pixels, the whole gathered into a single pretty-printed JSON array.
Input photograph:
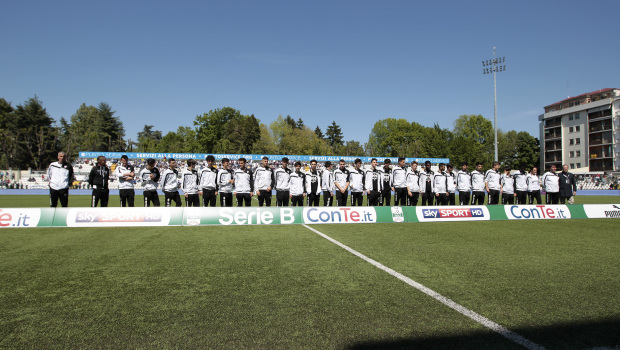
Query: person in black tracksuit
[
  {"x": 282, "y": 177},
  {"x": 386, "y": 177},
  {"x": 356, "y": 178},
  {"x": 313, "y": 185},
  {"x": 99, "y": 179},
  {"x": 170, "y": 184},
  {"x": 426, "y": 181},
  {"x": 372, "y": 183}
]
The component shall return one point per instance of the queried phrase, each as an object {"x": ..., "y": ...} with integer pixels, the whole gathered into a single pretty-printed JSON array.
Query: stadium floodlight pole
[{"x": 495, "y": 65}]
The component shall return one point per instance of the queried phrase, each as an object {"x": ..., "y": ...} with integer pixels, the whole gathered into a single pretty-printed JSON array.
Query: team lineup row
[{"x": 408, "y": 184}]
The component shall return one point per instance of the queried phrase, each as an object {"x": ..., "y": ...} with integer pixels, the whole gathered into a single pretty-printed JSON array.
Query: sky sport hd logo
[
  {"x": 452, "y": 214},
  {"x": 118, "y": 217}
]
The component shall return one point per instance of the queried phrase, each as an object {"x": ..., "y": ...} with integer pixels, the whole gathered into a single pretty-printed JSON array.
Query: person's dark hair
[
  {"x": 297, "y": 163},
  {"x": 387, "y": 161},
  {"x": 414, "y": 162},
  {"x": 124, "y": 156},
  {"x": 242, "y": 160},
  {"x": 428, "y": 162},
  {"x": 210, "y": 158},
  {"x": 507, "y": 168},
  {"x": 450, "y": 165},
  {"x": 191, "y": 162},
  {"x": 313, "y": 161},
  {"x": 495, "y": 163},
  {"x": 373, "y": 159},
  {"x": 400, "y": 159},
  {"x": 464, "y": 163},
  {"x": 150, "y": 161},
  {"x": 358, "y": 161},
  {"x": 328, "y": 164},
  {"x": 171, "y": 160},
  {"x": 285, "y": 160},
  {"x": 441, "y": 164},
  {"x": 478, "y": 163},
  {"x": 225, "y": 160},
  {"x": 265, "y": 158},
  {"x": 341, "y": 161}
]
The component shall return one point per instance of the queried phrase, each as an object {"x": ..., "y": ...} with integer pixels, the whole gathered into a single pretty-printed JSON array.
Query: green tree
[
  {"x": 334, "y": 134},
  {"x": 226, "y": 130},
  {"x": 319, "y": 133},
  {"x": 265, "y": 143},
  {"x": 395, "y": 138},
  {"x": 148, "y": 139},
  {"x": 9, "y": 134},
  {"x": 38, "y": 135},
  {"x": 528, "y": 151},
  {"x": 478, "y": 129}
]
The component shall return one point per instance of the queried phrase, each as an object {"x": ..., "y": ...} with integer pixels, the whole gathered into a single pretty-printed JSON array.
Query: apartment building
[{"x": 583, "y": 132}]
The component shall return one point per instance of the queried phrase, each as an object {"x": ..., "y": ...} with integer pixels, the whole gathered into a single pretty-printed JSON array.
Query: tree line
[{"x": 30, "y": 137}]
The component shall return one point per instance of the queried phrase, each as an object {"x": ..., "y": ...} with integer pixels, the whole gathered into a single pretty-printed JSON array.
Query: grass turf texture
[
  {"x": 554, "y": 282},
  {"x": 40, "y": 201}
]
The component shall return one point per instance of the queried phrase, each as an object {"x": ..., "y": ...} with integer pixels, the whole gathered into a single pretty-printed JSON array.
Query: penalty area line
[{"x": 442, "y": 299}]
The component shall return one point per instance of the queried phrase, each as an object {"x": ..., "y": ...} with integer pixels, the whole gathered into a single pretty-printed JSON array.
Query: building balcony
[{"x": 600, "y": 142}]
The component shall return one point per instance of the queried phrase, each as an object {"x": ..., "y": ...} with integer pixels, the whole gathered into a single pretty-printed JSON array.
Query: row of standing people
[{"x": 298, "y": 187}]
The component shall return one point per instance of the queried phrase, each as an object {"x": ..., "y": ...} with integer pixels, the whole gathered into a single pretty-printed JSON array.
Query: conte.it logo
[{"x": 19, "y": 217}]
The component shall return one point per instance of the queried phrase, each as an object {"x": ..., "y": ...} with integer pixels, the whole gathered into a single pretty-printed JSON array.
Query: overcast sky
[{"x": 353, "y": 62}]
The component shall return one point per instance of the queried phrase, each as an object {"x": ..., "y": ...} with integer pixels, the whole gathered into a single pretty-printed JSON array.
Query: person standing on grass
[
  {"x": 463, "y": 184},
  {"x": 413, "y": 185},
  {"x": 327, "y": 184},
  {"x": 551, "y": 184},
  {"x": 507, "y": 189},
  {"x": 521, "y": 185},
  {"x": 189, "y": 185},
  {"x": 298, "y": 186},
  {"x": 568, "y": 186},
  {"x": 492, "y": 185},
  {"x": 477, "y": 185},
  {"x": 99, "y": 179},
  {"x": 60, "y": 176},
  {"x": 356, "y": 178},
  {"x": 341, "y": 181},
  {"x": 225, "y": 181},
  {"x": 427, "y": 185},
  {"x": 313, "y": 185},
  {"x": 533, "y": 186},
  {"x": 373, "y": 183},
  {"x": 451, "y": 186},
  {"x": 386, "y": 178},
  {"x": 399, "y": 183},
  {"x": 440, "y": 185},
  {"x": 170, "y": 184},
  {"x": 207, "y": 187},
  {"x": 263, "y": 182},
  {"x": 125, "y": 174},
  {"x": 150, "y": 180},
  {"x": 244, "y": 184},
  {"x": 283, "y": 183}
]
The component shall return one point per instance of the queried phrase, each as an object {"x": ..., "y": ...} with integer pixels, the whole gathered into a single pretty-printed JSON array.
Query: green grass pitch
[{"x": 553, "y": 282}]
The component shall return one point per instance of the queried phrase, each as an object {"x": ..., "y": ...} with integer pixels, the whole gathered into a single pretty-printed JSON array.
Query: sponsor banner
[
  {"x": 112, "y": 217},
  {"x": 25, "y": 217},
  {"x": 426, "y": 214},
  {"x": 242, "y": 216},
  {"x": 342, "y": 215},
  {"x": 250, "y": 157},
  {"x": 599, "y": 211},
  {"x": 537, "y": 212}
]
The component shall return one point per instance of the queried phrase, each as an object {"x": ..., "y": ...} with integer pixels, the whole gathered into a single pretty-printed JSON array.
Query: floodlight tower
[{"x": 493, "y": 66}]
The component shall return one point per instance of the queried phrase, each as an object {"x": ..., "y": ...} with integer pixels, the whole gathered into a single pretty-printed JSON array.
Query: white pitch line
[{"x": 446, "y": 301}]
